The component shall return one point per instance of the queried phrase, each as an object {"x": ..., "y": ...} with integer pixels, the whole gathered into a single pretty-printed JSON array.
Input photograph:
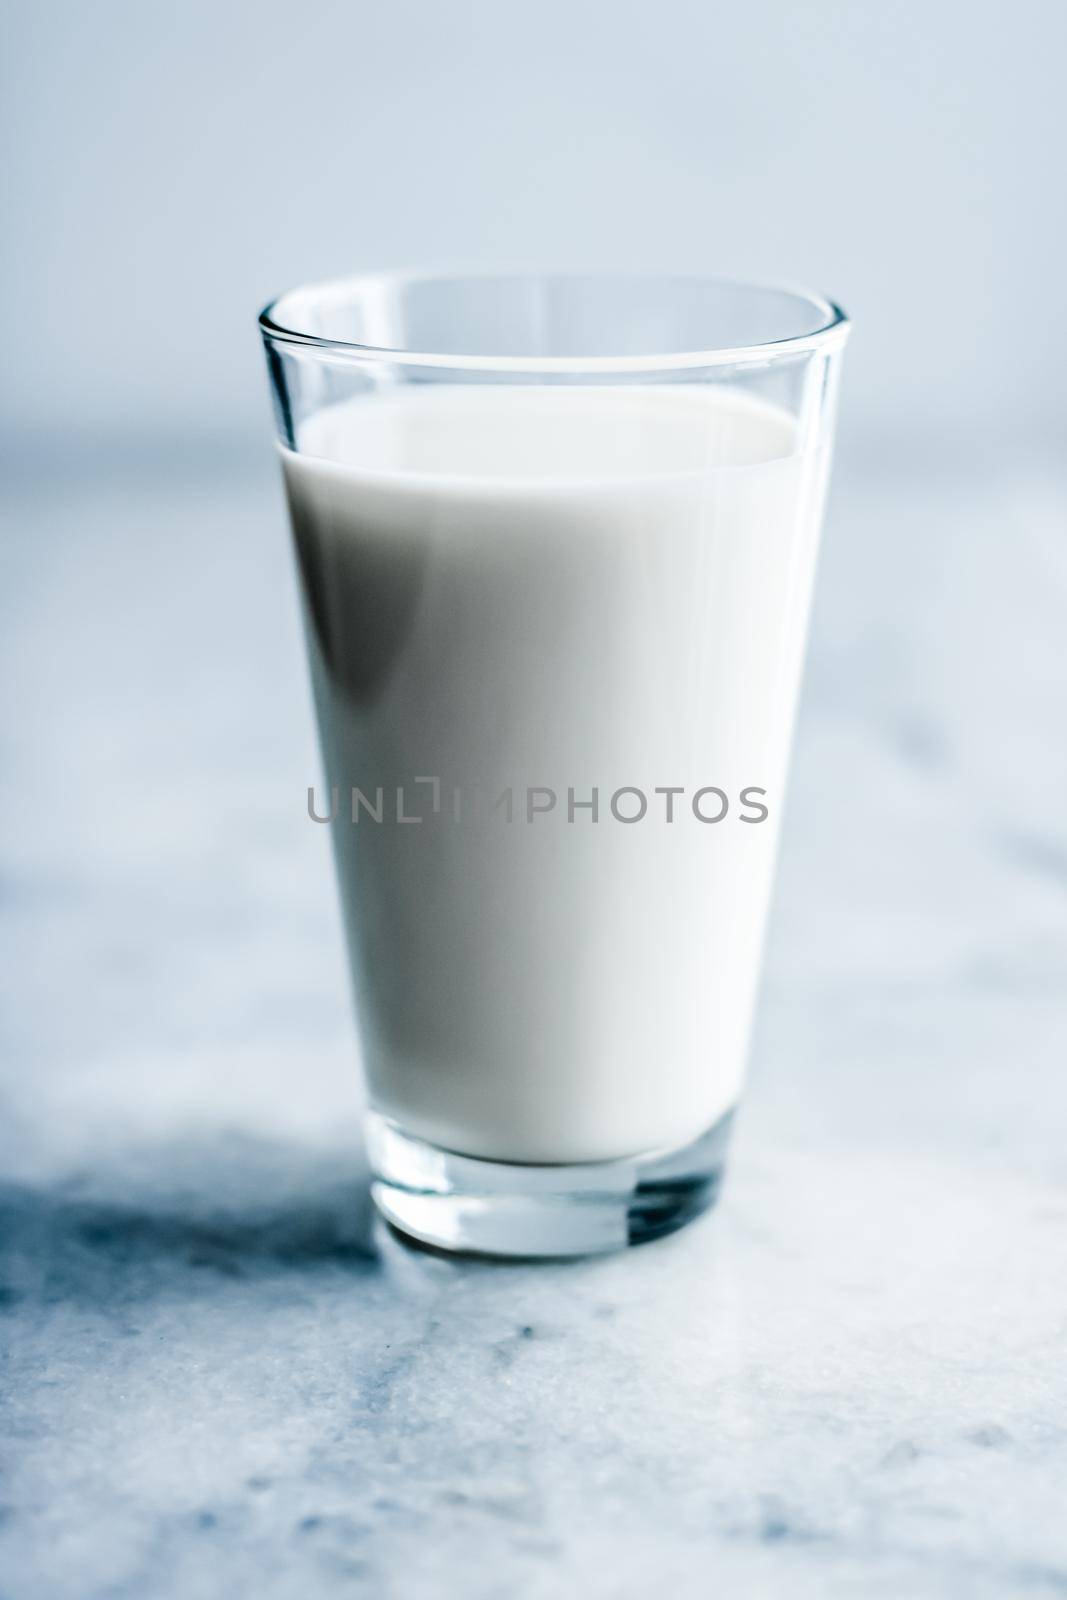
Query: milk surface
[{"x": 535, "y": 592}]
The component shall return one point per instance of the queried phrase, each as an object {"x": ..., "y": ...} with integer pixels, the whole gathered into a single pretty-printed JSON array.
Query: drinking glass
[{"x": 555, "y": 539}]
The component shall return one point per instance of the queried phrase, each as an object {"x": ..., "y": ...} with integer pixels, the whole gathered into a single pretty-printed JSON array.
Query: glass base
[{"x": 501, "y": 1208}]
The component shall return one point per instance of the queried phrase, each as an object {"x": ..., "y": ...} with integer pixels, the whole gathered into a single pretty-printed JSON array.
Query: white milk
[{"x": 538, "y": 589}]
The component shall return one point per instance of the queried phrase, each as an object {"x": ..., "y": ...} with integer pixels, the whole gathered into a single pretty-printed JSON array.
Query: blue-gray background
[
  {"x": 170, "y": 170},
  {"x": 219, "y": 1377}
]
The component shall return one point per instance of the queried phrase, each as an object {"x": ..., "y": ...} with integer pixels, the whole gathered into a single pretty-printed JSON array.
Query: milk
[{"x": 540, "y": 592}]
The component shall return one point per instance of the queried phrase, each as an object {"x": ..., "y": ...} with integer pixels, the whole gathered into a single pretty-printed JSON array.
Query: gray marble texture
[{"x": 220, "y": 1376}]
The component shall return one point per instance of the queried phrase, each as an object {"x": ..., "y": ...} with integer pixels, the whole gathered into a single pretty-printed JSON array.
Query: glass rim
[{"x": 833, "y": 326}]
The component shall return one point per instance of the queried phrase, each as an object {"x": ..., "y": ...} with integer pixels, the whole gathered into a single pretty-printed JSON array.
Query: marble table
[{"x": 220, "y": 1376}]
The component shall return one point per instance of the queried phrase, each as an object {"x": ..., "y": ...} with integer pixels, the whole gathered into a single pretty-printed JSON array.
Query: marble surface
[{"x": 221, "y": 1376}]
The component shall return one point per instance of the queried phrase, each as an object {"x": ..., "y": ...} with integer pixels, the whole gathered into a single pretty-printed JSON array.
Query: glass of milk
[{"x": 555, "y": 539}]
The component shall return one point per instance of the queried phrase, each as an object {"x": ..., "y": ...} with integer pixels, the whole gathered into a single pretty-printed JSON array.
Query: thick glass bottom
[{"x": 499, "y": 1208}]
